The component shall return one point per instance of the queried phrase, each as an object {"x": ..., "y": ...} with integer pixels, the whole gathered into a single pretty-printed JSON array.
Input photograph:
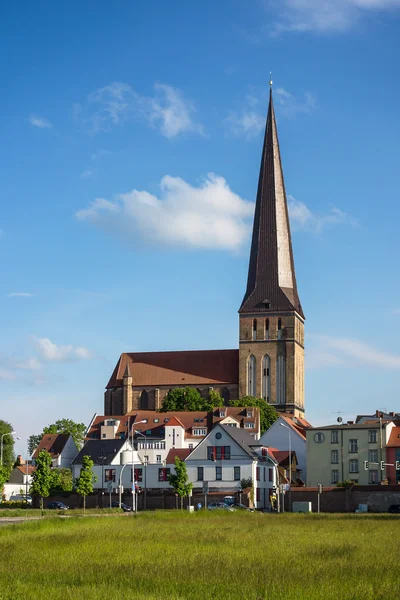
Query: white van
[{"x": 229, "y": 500}]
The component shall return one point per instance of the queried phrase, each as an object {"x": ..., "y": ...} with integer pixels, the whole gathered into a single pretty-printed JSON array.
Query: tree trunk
[
  {"x": 84, "y": 504},
  {"x": 41, "y": 505},
  {"x": 181, "y": 502}
]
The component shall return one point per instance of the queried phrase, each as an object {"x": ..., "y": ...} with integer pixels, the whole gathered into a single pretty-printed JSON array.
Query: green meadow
[{"x": 202, "y": 556}]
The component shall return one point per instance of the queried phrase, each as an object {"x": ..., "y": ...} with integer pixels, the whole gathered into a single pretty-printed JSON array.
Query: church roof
[
  {"x": 190, "y": 367},
  {"x": 271, "y": 283}
]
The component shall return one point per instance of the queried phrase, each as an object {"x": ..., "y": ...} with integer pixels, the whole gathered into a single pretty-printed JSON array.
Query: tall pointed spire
[{"x": 271, "y": 283}]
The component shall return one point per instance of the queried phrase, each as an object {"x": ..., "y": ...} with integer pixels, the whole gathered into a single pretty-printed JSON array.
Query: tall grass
[{"x": 204, "y": 556}]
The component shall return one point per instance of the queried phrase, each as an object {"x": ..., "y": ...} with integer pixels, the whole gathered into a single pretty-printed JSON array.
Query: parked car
[
  {"x": 216, "y": 505},
  {"x": 125, "y": 507},
  {"x": 21, "y": 498},
  {"x": 394, "y": 509},
  {"x": 57, "y": 506},
  {"x": 242, "y": 507}
]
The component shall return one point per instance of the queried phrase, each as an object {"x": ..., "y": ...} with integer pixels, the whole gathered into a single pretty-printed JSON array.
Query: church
[{"x": 269, "y": 362}]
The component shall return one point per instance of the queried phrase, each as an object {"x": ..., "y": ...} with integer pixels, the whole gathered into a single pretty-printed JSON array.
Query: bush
[{"x": 14, "y": 504}]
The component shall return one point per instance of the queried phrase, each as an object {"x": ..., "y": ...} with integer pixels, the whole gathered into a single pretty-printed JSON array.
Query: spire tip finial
[{"x": 270, "y": 79}]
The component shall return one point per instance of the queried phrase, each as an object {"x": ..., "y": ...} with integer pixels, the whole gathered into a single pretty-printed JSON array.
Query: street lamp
[
  {"x": 145, "y": 464},
  {"x": 1, "y": 445},
  {"x": 290, "y": 464},
  {"x": 133, "y": 470}
]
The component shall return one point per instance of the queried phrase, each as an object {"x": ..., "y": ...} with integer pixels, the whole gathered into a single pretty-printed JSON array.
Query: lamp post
[
  {"x": 145, "y": 464},
  {"x": 290, "y": 464},
  {"x": 102, "y": 457},
  {"x": 1, "y": 445},
  {"x": 133, "y": 470}
]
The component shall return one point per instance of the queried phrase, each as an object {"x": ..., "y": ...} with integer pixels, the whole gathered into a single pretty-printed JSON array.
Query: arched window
[
  {"x": 251, "y": 375},
  {"x": 266, "y": 378},
  {"x": 144, "y": 400},
  {"x": 254, "y": 329},
  {"x": 279, "y": 329},
  {"x": 266, "y": 334},
  {"x": 225, "y": 396},
  {"x": 280, "y": 379}
]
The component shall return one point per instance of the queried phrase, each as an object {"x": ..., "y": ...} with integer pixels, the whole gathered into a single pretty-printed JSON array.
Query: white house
[
  {"x": 277, "y": 436},
  {"x": 61, "y": 448}
]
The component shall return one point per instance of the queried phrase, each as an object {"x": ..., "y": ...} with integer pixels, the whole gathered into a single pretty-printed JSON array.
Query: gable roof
[
  {"x": 189, "y": 367},
  {"x": 242, "y": 438},
  {"x": 282, "y": 456},
  {"x": 181, "y": 453},
  {"x": 54, "y": 443},
  {"x": 23, "y": 469},
  {"x": 174, "y": 422},
  {"x": 394, "y": 439},
  {"x": 97, "y": 449}
]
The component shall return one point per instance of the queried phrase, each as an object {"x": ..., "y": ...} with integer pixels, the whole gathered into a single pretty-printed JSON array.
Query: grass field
[{"x": 204, "y": 556}]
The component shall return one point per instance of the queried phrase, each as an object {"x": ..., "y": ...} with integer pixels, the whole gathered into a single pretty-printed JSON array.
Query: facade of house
[
  {"x": 61, "y": 448},
  {"x": 338, "y": 453},
  {"x": 277, "y": 436},
  {"x": 269, "y": 360}
]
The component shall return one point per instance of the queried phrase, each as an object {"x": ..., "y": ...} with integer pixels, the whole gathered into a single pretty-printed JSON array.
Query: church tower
[{"x": 271, "y": 319}]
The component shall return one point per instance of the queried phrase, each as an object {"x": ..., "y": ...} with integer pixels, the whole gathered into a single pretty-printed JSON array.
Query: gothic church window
[
  {"x": 279, "y": 329},
  {"x": 144, "y": 400},
  {"x": 251, "y": 376},
  {"x": 266, "y": 378},
  {"x": 280, "y": 379},
  {"x": 254, "y": 329},
  {"x": 225, "y": 395},
  {"x": 266, "y": 336}
]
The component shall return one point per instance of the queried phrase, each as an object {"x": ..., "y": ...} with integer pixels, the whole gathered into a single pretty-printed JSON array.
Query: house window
[
  {"x": 334, "y": 436},
  {"x": 251, "y": 376},
  {"x": 200, "y": 473},
  {"x": 218, "y": 473},
  {"x": 372, "y": 436},
  {"x": 109, "y": 475},
  {"x": 236, "y": 473},
  {"x": 353, "y": 466},
  {"x": 373, "y": 476},
  {"x": 156, "y": 420},
  {"x": 199, "y": 431},
  {"x": 271, "y": 475},
  {"x": 249, "y": 413},
  {"x": 373, "y": 456},
  {"x": 319, "y": 437},
  {"x": 222, "y": 452},
  {"x": 190, "y": 446},
  {"x": 254, "y": 329},
  {"x": 266, "y": 380},
  {"x": 353, "y": 445},
  {"x": 104, "y": 435},
  {"x": 335, "y": 457},
  {"x": 146, "y": 460},
  {"x": 222, "y": 413},
  {"x": 163, "y": 474},
  {"x": 249, "y": 425},
  {"x": 258, "y": 473},
  {"x": 138, "y": 475},
  {"x": 158, "y": 458},
  {"x": 266, "y": 331},
  {"x": 335, "y": 476}
]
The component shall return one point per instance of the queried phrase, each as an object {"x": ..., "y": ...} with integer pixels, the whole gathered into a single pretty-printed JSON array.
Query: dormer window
[{"x": 166, "y": 420}]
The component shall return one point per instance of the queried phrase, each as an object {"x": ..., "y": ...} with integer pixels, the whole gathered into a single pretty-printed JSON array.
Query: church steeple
[
  {"x": 271, "y": 283},
  {"x": 271, "y": 319}
]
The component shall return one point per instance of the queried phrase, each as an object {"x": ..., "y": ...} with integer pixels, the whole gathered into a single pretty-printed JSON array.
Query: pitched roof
[
  {"x": 23, "y": 469},
  {"x": 54, "y": 443},
  {"x": 181, "y": 453},
  {"x": 174, "y": 422},
  {"x": 298, "y": 424},
  {"x": 97, "y": 449},
  {"x": 189, "y": 367},
  {"x": 271, "y": 275},
  {"x": 242, "y": 438},
  {"x": 282, "y": 456},
  {"x": 394, "y": 439}
]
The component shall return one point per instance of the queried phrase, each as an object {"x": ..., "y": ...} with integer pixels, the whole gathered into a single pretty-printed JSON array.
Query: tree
[
  {"x": 86, "y": 480},
  {"x": 42, "y": 477},
  {"x": 8, "y": 444},
  {"x": 268, "y": 414},
  {"x": 62, "y": 480},
  {"x": 181, "y": 399},
  {"x": 68, "y": 426},
  {"x": 179, "y": 480},
  {"x": 4, "y": 475}
]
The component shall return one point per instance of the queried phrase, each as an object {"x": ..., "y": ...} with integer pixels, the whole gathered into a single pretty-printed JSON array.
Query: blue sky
[{"x": 131, "y": 145}]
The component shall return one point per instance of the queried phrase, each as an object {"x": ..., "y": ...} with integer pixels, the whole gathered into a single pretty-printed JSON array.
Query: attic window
[
  {"x": 156, "y": 420},
  {"x": 166, "y": 420},
  {"x": 398, "y": 435},
  {"x": 267, "y": 304}
]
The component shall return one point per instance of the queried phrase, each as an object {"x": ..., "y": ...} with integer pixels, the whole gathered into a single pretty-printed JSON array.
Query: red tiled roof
[
  {"x": 189, "y": 367},
  {"x": 23, "y": 469},
  {"x": 394, "y": 440},
  {"x": 54, "y": 443},
  {"x": 181, "y": 453},
  {"x": 174, "y": 422}
]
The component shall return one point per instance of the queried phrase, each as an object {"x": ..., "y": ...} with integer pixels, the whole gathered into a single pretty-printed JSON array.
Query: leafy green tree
[
  {"x": 268, "y": 414},
  {"x": 68, "y": 426},
  {"x": 8, "y": 444},
  {"x": 190, "y": 399},
  {"x": 179, "y": 479},
  {"x": 42, "y": 477},
  {"x": 86, "y": 480},
  {"x": 62, "y": 480},
  {"x": 4, "y": 475}
]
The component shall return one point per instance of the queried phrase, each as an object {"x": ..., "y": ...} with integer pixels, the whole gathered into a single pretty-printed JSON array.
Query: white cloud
[
  {"x": 88, "y": 174},
  {"x": 326, "y": 15},
  {"x": 302, "y": 218},
  {"x": 114, "y": 104},
  {"x": 247, "y": 123},
  {"x": 331, "y": 351},
  {"x": 20, "y": 295},
  {"x": 31, "y": 364},
  {"x": 207, "y": 216},
  {"x": 52, "y": 353},
  {"x": 40, "y": 122},
  {"x": 289, "y": 106}
]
